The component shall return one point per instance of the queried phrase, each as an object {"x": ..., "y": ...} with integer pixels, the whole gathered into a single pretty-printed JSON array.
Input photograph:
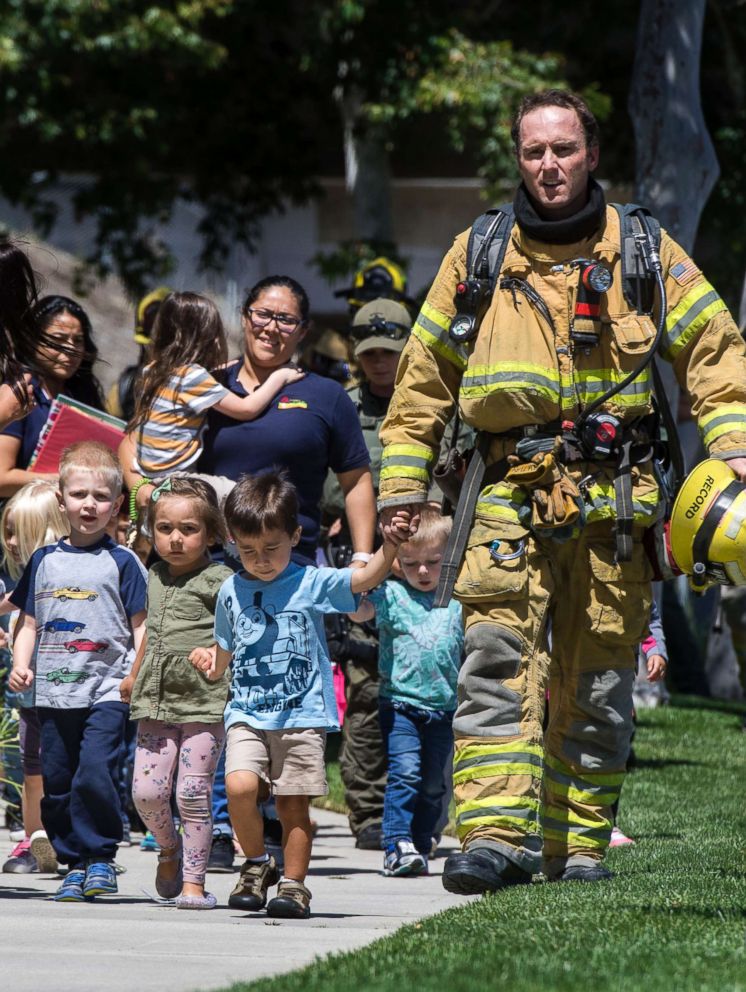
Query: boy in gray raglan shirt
[{"x": 83, "y": 603}]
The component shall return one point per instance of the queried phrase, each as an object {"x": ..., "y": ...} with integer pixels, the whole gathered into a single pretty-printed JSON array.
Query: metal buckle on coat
[
  {"x": 533, "y": 430},
  {"x": 496, "y": 556}
]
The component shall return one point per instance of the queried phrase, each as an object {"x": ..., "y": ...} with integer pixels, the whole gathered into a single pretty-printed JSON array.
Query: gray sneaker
[{"x": 250, "y": 892}]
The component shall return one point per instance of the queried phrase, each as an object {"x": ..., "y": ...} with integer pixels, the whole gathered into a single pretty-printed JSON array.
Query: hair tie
[{"x": 165, "y": 487}]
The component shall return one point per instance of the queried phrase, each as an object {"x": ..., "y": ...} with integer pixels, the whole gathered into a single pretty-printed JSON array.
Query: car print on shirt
[
  {"x": 74, "y": 592},
  {"x": 60, "y": 675},
  {"x": 85, "y": 645},
  {"x": 60, "y": 624}
]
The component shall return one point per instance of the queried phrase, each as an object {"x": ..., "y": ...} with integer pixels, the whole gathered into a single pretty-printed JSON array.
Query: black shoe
[
  {"x": 481, "y": 869},
  {"x": 584, "y": 873},
  {"x": 370, "y": 838},
  {"x": 222, "y": 854}
]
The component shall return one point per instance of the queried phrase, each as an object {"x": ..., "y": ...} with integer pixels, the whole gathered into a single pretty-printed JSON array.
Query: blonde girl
[{"x": 31, "y": 519}]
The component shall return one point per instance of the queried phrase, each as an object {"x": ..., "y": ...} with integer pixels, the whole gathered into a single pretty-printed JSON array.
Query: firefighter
[
  {"x": 554, "y": 373},
  {"x": 381, "y": 278}
]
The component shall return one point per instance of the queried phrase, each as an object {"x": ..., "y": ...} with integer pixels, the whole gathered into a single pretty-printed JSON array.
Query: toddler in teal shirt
[{"x": 419, "y": 658}]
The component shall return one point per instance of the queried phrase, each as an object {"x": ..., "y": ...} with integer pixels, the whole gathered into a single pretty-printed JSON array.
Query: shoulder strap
[
  {"x": 488, "y": 241},
  {"x": 638, "y": 282}
]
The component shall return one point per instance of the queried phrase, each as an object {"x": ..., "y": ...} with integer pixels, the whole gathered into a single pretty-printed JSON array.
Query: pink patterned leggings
[{"x": 194, "y": 748}]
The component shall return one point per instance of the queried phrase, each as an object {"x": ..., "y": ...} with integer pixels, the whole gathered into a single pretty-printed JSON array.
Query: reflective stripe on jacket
[{"x": 521, "y": 369}]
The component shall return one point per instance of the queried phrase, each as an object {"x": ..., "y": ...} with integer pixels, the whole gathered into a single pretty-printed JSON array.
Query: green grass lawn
[{"x": 673, "y": 919}]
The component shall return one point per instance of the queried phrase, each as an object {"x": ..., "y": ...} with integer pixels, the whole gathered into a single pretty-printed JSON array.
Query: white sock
[{"x": 260, "y": 860}]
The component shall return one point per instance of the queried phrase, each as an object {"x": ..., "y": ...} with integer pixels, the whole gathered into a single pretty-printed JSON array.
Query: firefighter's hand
[
  {"x": 656, "y": 665},
  {"x": 739, "y": 467},
  {"x": 389, "y": 512}
]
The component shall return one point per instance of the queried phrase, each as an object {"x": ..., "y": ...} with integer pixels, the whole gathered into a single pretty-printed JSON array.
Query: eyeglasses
[
  {"x": 380, "y": 328},
  {"x": 286, "y": 323}
]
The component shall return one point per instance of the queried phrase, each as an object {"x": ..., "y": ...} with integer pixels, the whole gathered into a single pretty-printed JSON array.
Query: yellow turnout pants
[{"x": 555, "y": 624}]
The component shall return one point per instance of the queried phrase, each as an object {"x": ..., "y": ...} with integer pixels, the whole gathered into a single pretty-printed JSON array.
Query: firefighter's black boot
[{"x": 481, "y": 869}]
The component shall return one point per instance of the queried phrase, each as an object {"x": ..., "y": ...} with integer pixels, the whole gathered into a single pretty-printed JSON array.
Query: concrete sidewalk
[{"x": 127, "y": 942}]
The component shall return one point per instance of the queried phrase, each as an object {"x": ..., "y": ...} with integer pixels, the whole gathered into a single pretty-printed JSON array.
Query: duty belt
[{"x": 636, "y": 446}]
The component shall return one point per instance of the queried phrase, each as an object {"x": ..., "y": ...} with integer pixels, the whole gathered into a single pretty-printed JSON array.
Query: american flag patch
[{"x": 684, "y": 272}]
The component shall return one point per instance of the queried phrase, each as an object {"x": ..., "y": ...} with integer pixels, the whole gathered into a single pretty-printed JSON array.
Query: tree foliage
[
  {"x": 234, "y": 105},
  {"x": 152, "y": 103}
]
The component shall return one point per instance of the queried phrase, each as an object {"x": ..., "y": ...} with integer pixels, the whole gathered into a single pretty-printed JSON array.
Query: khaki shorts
[{"x": 291, "y": 760}]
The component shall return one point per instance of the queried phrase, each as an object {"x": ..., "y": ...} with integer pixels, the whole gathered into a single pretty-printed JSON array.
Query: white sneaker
[
  {"x": 42, "y": 850},
  {"x": 404, "y": 859}
]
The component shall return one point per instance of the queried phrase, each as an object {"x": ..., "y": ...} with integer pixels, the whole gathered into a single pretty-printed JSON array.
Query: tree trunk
[
  {"x": 367, "y": 173},
  {"x": 676, "y": 166},
  {"x": 676, "y": 169}
]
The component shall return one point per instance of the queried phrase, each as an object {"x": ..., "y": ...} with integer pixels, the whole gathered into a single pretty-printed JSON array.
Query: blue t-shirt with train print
[
  {"x": 281, "y": 675},
  {"x": 82, "y": 600},
  {"x": 420, "y": 646}
]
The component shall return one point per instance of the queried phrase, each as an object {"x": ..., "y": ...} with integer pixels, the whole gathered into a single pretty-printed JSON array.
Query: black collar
[{"x": 560, "y": 232}]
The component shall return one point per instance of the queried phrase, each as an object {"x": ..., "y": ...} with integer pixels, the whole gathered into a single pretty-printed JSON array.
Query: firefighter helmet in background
[
  {"x": 146, "y": 312},
  {"x": 380, "y": 278},
  {"x": 708, "y": 526}
]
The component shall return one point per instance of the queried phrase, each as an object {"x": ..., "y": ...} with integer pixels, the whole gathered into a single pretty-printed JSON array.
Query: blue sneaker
[
  {"x": 403, "y": 858},
  {"x": 100, "y": 880},
  {"x": 71, "y": 889},
  {"x": 149, "y": 843}
]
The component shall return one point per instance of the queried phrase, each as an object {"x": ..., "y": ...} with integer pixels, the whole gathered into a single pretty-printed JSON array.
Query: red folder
[{"x": 68, "y": 422}]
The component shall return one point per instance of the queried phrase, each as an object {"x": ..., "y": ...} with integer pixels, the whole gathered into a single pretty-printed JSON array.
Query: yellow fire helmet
[
  {"x": 380, "y": 278},
  {"x": 708, "y": 526},
  {"x": 147, "y": 308}
]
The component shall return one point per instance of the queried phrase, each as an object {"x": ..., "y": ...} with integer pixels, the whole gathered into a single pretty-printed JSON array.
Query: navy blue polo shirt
[
  {"x": 28, "y": 429},
  {"x": 311, "y": 426}
]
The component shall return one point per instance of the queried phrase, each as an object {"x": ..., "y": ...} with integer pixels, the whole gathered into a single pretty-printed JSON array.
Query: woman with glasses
[
  {"x": 309, "y": 428},
  {"x": 64, "y": 354}
]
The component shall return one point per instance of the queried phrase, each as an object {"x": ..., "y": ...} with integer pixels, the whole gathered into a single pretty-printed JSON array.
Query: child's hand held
[
  {"x": 202, "y": 659},
  {"x": 20, "y": 679},
  {"x": 125, "y": 689},
  {"x": 398, "y": 530}
]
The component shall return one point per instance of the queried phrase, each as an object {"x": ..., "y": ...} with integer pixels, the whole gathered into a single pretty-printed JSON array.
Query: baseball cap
[{"x": 380, "y": 324}]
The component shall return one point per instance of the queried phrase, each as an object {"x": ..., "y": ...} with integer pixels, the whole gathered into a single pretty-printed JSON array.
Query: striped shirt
[{"x": 171, "y": 437}]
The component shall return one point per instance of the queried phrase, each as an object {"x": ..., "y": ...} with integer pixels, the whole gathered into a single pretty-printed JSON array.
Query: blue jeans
[{"x": 418, "y": 743}]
